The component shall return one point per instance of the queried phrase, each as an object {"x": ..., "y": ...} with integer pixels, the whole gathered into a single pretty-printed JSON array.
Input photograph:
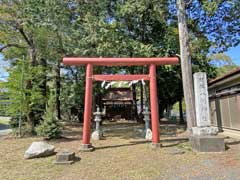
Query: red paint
[
  {"x": 120, "y": 61},
  {"x": 118, "y": 77},
  {"x": 154, "y": 104},
  {"x": 89, "y": 62},
  {"x": 87, "y": 105}
]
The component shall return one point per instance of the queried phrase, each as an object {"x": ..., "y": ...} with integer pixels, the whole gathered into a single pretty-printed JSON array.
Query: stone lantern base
[{"x": 97, "y": 135}]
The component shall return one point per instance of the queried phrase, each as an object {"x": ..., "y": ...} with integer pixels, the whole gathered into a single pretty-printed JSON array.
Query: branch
[
  {"x": 29, "y": 42},
  {"x": 11, "y": 45},
  {"x": 188, "y": 3}
]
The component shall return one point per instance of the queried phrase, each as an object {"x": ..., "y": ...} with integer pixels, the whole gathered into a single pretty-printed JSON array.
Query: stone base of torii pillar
[{"x": 204, "y": 137}]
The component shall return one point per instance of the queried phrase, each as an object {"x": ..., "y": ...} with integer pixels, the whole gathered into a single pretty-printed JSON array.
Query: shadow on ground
[{"x": 131, "y": 133}]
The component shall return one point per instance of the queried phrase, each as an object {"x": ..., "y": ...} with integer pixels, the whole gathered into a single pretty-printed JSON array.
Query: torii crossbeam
[{"x": 90, "y": 77}]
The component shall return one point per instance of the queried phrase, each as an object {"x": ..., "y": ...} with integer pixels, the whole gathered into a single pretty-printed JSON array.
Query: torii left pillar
[{"x": 86, "y": 146}]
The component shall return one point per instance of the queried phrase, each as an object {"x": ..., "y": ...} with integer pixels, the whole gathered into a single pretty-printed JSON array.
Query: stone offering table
[{"x": 65, "y": 157}]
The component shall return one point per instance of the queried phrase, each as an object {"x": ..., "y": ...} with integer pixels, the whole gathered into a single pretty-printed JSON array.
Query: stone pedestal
[
  {"x": 148, "y": 134},
  {"x": 147, "y": 131},
  {"x": 207, "y": 143},
  {"x": 97, "y": 135},
  {"x": 65, "y": 157},
  {"x": 86, "y": 148}
]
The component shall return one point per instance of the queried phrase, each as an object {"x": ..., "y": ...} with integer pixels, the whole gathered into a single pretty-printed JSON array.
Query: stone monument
[{"x": 204, "y": 136}]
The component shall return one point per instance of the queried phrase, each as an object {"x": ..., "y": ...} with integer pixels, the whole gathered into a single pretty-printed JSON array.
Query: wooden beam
[
  {"x": 78, "y": 61},
  {"x": 119, "y": 77}
]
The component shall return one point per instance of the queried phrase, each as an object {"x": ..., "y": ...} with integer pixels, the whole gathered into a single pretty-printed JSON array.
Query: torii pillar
[{"x": 90, "y": 62}]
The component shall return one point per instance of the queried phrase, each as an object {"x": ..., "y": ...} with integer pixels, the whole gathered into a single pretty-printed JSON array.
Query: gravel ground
[{"x": 123, "y": 154}]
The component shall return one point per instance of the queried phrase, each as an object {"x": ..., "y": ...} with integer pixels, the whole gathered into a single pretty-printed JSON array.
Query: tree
[
  {"x": 219, "y": 20},
  {"x": 18, "y": 39},
  {"x": 21, "y": 103},
  {"x": 186, "y": 65}
]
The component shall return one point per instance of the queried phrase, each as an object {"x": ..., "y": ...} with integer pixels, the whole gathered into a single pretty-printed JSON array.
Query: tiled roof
[{"x": 213, "y": 81}]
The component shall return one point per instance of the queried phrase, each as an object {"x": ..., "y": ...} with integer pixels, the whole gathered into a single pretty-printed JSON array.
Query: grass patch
[
  {"x": 4, "y": 120},
  {"x": 185, "y": 146}
]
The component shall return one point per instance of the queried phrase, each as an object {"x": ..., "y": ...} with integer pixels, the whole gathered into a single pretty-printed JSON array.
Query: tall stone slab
[
  {"x": 204, "y": 137},
  {"x": 201, "y": 99}
]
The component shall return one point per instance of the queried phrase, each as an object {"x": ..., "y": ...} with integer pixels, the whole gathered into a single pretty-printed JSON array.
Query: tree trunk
[
  {"x": 180, "y": 111},
  {"x": 186, "y": 65},
  {"x": 33, "y": 56},
  {"x": 29, "y": 85},
  {"x": 134, "y": 93},
  {"x": 141, "y": 116},
  {"x": 58, "y": 86},
  {"x": 33, "y": 62},
  {"x": 43, "y": 86},
  {"x": 141, "y": 103},
  {"x": 168, "y": 110},
  {"x": 141, "y": 96},
  {"x": 135, "y": 101}
]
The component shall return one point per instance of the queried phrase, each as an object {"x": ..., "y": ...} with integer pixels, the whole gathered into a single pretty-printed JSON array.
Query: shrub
[{"x": 50, "y": 126}]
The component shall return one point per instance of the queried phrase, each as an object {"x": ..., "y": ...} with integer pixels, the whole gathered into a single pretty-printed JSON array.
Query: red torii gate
[{"x": 90, "y": 77}]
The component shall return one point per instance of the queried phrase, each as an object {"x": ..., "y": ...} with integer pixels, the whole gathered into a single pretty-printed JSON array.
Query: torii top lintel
[{"x": 134, "y": 61}]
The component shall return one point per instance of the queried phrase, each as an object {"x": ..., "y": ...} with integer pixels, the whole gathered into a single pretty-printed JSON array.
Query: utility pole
[{"x": 186, "y": 65}]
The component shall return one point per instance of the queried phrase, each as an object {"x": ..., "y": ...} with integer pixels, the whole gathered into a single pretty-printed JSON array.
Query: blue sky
[
  {"x": 234, "y": 53},
  {"x": 3, "y": 65}
]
